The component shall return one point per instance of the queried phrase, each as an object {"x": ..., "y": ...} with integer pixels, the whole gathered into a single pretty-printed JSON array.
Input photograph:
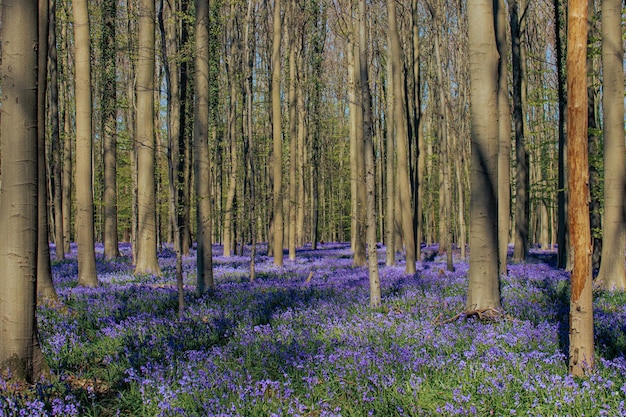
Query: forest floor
[{"x": 302, "y": 341}]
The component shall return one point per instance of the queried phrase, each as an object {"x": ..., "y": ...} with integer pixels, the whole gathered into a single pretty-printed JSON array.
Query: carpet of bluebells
[{"x": 302, "y": 341}]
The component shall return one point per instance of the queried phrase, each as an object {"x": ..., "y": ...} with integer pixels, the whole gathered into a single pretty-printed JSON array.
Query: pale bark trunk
[
  {"x": 201, "y": 146},
  {"x": 352, "y": 105},
  {"x": 147, "y": 262},
  {"x": 18, "y": 205},
  {"x": 390, "y": 258},
  {"x": 612, "y": 274},
  {"x": 109, "y": 130},
  {"x": 84, "y": 193},
  {"x": 277, "y": 139},
  {"x": 504, "y": 139},
  {"x": 404, "y": 189},
  {"x": 419, "y": 135},
  {"x": 483, "y": 289},
  {"x": 581, "y": 348},
  {"x": 293, "y": 103},
  {"x": 360, "y": 257}
]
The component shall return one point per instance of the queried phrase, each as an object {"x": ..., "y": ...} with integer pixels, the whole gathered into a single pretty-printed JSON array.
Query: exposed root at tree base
[{"x": 484, "y": 315}]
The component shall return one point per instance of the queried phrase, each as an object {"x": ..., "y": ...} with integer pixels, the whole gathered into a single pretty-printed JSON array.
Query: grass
[{"x": 283, "y": 346}]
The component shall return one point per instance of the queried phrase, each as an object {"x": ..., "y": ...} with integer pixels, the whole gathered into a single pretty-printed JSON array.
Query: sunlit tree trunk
[
  {"x": 18, "y": 205},
  {"x": 109, "y": 129},
  {"x": 612, "y": 275},
  {"x": 581, "y": 355},
  {"x": 390, "y": 254},
  {"x": 277, "y": 133},
  {"x": 360, "y": 256},
  {"x": 84, "y": 193},
  {"x": 201, "y": 156},
  {"x": 483, "y": 289},
  {"x": 293, "y": 124},
  {"x": 146, "y": 262},
  {"x": 403, "y": 184},
  {"x": 504, "y": 138}
]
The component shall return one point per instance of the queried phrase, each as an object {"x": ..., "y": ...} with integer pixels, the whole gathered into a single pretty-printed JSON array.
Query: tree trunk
[
  {"x": 293, "y": 124},
  {"x": 581, "y": 355},
  {"x": 390, "y": 254},
  {"x": 57, "y": 187},
  {"x": 109, "y": 129},
  {"x": 277, "y": 139},
  {"x": 18, "y": 205},
  {"x": 45, "y": 287},
  {"x": 612, "y": 275},
  {"x": 201, "y": 156},
  {"x": 504, "y": 139},
  {"x": 360, "y": 256},
  {"x": 368, "y": 148},
  {"x": 84, "y": 193},
  {"x": 146, "y": 262},
  {"x": 404, "y": 189},
  {"x": 522, "y": 208},
  {"x": 483, "y": 289}
]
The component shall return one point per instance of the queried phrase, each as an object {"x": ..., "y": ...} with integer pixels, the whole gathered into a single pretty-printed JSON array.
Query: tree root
[{"x": 484, "y": 315}]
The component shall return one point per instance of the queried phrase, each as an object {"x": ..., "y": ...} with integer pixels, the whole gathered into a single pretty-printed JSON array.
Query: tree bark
[
  {"x": 293, "y": 132},
  {"x": 483, "y": 289},
  {"x": 612, "y": 275},
  {"x": 109, "y": 129},
  {"x": 201, "y": 156},
  {"x": 18, "y": 205},
  {"x": 146, "y": 262},
  {"x": 84, "y": 193},
  {"x": 404, "y": 189},
  {"x": 504, "y": 139},
  {"x": 581, "y": 349}
]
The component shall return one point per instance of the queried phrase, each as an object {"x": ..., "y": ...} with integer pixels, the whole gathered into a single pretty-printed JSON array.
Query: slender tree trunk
[
  {"x": 45, "y": 287},
  {"x": 359, "y": 258},
  {"x": 109, "y": 129},
  {"x": 57, "y": 187},
  {"x": 293, "y": 124},
  {"x": 581, "y": 355},
  {"x": 404, "y": 189},
  {"x": 504, "y": 139},
  {"x": 612, "y": 275},
  {"x": 18, "y": 205},
  {"x": 390, "y": 258},
  {"x": 419, "y": 135},
  {"x": 484, "y": 287},
  {"x": 368, "y": 148},
  {"x": 146, "y": 262},
  {"x": 84, "y": 192},
  {"x": 522, "y": 207},
  {"x": 201, "y": 156}
]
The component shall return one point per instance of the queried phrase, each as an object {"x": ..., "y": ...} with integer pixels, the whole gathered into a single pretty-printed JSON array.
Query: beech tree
[
  {"x": 146, "y": 262},
  {"x": 85, "y": 238},
  {"x": 484, "y": 289},
  {"x": 277, "y": 133},
  {"x": 19, "y": 349},
  {"x": 612, "y": 274},
  {"x": 581, "y": 348}
]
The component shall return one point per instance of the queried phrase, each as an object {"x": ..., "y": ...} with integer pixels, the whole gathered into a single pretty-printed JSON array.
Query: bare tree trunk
[
  {"x": 45, "y": 287},
  {"x": 504, "y": 139},
  {"x": 109, "y": 129},
  {"x": 390, "y": 258},
  {"x": 612, "y": 275},
  {"x": 84, "y": 193},
  {"x": 484, "y": 285},
  {"x": 522, "y": 208},
  {"x": 147, "y": 262},
  {"x": 404, "y": 189},
  {"x": 581, "y": 349},
  {"x": 201, "y": 146},
  {"x": 359, "y": 258},
  {"x": 293, "y": 110},
  {"x": 18, "y": 205}
]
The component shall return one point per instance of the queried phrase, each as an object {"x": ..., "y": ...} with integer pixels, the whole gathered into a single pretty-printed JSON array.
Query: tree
[
  {"x": 611, "y": 274},
  {"x": 277, "y": 162},
  {"x": 403, "y": 186},
  {"x": 18, "y": 206},
  {"x": 84, "y": 193},
  {"x": 581, "y": 356},
  {"x": 201, "y": 148},
  {"x": 109, "y": 128},
  {"x": 146, "y": 262},
  {"x": 368, "y": 148},
  {"x": 504, "y": 139},
  {"x": 45, "y": 287},
  {"x": 483, "y": 290}
]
